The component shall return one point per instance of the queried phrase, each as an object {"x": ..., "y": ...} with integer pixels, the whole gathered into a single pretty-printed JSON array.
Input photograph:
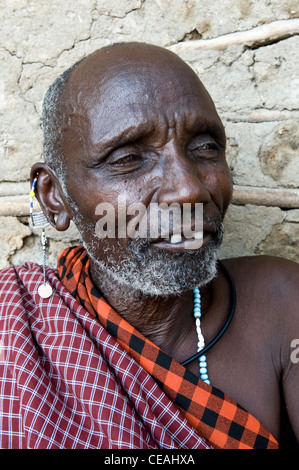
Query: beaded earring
[{"x": 39, "y": 220}]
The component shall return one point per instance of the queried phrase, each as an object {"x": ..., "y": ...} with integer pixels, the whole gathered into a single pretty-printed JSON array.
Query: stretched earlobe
[
  {"x": 62, "y": 222},
  {"x": 50, "y": 196}
]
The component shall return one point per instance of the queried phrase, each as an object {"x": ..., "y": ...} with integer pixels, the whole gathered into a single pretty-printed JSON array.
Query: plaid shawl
[
  {"x": 67, "y": 383},
  {"x": 216, "y": 417}
]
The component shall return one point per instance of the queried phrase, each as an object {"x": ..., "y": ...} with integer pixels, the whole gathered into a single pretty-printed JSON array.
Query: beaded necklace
[
  {"x": 201, "y": 348},
  {"x": 201, "y": 341}
]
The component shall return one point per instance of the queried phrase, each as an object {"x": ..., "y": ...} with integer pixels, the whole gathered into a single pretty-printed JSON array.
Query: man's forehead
[
  {"x": 122, "y": 69},
  {"x": 120, "y": 89}
]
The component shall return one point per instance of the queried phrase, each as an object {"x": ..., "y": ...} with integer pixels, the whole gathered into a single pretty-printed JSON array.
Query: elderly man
[{"x": 107, "y": 358}]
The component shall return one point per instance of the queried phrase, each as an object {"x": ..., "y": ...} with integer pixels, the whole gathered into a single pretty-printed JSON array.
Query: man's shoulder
[
  {"x": 270, "y": 269},
  {"x": 262, "y": 264},
  {"x": 11, "y": 278},
  {"x": 7, "y": 274},
  {"x": 12, "y": 271},
  {"x": 269, "y": 280}
]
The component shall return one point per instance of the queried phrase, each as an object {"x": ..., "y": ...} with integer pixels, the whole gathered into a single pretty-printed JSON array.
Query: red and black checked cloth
[
  {"x": 215, "y": 416},
  {"x": 66, "y": 383}
]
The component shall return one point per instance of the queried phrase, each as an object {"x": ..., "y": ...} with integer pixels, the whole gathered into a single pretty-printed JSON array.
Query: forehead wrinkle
[
  {"x": 124, "y": 136},
  {"x": 119, "y": 107},
  {"x": 102, "y": 135}
]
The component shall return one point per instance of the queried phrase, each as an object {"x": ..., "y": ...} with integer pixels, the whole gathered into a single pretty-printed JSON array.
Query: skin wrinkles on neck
[{"x": 167, "y": 322}]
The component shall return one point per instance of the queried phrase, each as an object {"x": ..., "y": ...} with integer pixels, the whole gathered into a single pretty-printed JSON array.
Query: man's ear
[{"x": 50, "y": 196}]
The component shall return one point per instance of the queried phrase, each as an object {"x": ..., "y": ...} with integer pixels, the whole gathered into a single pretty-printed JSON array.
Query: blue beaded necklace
[
  {"x": 201, "y": 341},
  {"x": 201, "y": 348}
]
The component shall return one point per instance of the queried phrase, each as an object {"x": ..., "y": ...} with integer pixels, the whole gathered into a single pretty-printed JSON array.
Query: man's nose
[{"x": 182, "y": 182}]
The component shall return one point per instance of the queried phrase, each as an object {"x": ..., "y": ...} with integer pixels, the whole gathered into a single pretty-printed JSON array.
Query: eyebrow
[
  {"x": 195, "y": 123},
  {"x": 128, "y": 135}
]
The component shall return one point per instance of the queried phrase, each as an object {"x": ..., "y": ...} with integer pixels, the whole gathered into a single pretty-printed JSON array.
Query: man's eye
[
  {"x": 126, "y": 159},
  {"x": 208, "y": 146},
  {"x": 206, "y": 149}
]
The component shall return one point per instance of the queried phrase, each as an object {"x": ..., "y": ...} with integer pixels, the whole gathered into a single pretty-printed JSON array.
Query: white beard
[{"x": 156, "y": 272}]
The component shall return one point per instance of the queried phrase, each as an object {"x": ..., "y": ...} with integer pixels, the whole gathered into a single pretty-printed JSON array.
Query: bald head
[
  {"x": 126, "y": 64},
  {"x": 109, "y": 76}
]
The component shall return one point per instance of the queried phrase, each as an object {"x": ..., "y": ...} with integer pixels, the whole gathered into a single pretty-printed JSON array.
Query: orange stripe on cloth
[{"x": 214, "y": 415}]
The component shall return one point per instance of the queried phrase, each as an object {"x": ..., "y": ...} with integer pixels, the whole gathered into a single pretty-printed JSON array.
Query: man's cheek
[{"x": 105, "y": 225}]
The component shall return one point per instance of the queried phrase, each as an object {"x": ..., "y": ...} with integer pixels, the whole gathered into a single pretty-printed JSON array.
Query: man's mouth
[
  {"x": 179, "y": 242},
  {"x": 177, "y": 237}
]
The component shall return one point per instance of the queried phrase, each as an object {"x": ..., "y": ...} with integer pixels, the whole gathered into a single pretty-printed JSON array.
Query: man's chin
[{"x": 158, "y": 272}]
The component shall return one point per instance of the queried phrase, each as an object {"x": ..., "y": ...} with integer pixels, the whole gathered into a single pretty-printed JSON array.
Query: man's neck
[{"x": 166, "y": 321}]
